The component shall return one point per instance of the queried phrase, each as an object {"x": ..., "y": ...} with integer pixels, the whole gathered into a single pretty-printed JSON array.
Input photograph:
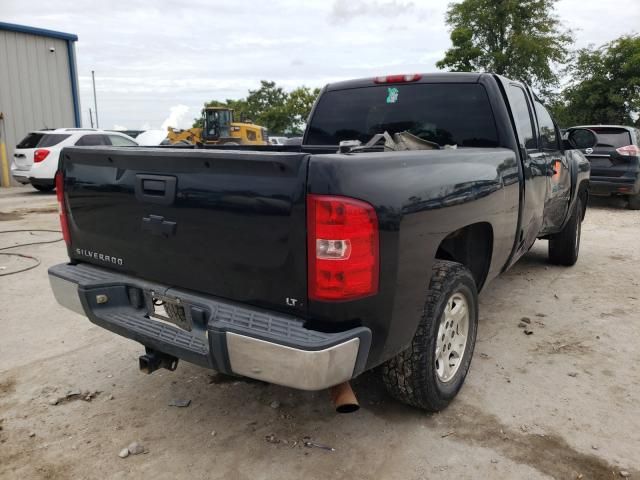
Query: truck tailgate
[{"x": 226, "y": 223}]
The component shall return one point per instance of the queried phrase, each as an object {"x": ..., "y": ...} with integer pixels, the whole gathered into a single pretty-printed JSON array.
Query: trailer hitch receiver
[{"x": 152, "y": 360}]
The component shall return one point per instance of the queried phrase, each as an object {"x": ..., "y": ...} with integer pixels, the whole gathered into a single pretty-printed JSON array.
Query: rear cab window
[
  {"x": 445, "y": 113},
  {"x": 548, "y": 132},
  {"x": 30, "y": 141},
  {"x": 521, "y": 111},
  {"x": 52, "y": 139}
]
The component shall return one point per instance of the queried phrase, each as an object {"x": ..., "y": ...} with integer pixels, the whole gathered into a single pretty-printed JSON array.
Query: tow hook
[{"x": 153, "y": 360}]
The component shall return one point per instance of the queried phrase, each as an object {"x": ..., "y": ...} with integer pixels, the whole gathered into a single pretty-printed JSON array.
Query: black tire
[
  {"x": 634, "y": 202},
  {"x": 564, "y": 247},
  {"x": 411, "y": 376},
  {"x": 43, "y": 188}
]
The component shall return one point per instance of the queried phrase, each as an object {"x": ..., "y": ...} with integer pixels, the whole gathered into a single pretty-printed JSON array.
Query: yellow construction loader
[{"x": 219, "y": 128}]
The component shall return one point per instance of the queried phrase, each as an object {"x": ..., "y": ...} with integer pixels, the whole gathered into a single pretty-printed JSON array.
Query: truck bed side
[{"x": 421, "y": 199}]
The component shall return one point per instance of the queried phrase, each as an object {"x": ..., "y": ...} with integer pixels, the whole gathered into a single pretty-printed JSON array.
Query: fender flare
[{"x": 579, "y": 182}]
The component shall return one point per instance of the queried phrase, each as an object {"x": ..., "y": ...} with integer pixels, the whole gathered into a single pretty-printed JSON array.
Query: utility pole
[
  {"x": 91, "y": 117},
  {"x": 95, "y": 100}
]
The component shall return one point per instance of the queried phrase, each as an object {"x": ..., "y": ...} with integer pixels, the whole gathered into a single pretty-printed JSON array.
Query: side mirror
[{"x": 581, "y": 138}]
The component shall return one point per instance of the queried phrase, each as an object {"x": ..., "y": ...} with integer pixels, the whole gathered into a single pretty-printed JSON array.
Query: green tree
[
  {"x": 272, "y": 107},
  {"x": 267, "y": 105},
  {"x": 521, "y": 39},
  {"x": 604, "y": 86},
  {"x": 298, "y": 106},
  {"x": 240, "y": 109}
]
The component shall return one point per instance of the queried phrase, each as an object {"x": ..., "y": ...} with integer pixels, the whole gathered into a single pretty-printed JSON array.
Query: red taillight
[
  {"x": 64, "y": 224},
  {"x": 629, "y": 151},
  {"x": 342, "y": 248},
  {"x": 40, "y": 155},
  {"x": 412, "y": 77}
]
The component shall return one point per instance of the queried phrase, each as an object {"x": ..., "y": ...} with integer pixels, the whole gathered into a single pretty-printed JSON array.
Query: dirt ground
[{"x": 561, "y": 403}]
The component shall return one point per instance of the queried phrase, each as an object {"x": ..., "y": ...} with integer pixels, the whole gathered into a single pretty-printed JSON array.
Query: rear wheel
[
  {"x": 431, "y": 371},
  {"x": 43, "y": 188},
  {"x": 634, "y": 202},
  {"x": 564, "y": 247}
]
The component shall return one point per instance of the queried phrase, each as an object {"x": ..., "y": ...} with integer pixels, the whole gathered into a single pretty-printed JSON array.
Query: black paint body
[{"x": 235, "y": 227}]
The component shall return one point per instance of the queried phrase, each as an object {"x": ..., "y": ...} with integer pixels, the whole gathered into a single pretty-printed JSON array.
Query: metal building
[{"x": 38, "y": 84}]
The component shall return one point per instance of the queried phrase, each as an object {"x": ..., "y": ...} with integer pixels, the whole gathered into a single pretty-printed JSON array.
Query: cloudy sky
[{"x": 152, "y": 58}]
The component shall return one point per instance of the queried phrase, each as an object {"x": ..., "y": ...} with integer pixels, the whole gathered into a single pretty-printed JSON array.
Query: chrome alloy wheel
[{"x": 453, "y": 333}]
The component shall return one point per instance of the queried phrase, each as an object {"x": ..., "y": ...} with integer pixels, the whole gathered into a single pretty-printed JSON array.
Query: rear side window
[
  {"x": 119, "y": 141},
  {"x": 93, "y": 140},
  {"x": 30, "y": 141},
  {"x": 447, "y": 114},
  {"x": 612, "y": 138},
  {"x": 51, "y": 139},
  {"x": 548, "y": 137},
  {"x": 522, "y": 117}
]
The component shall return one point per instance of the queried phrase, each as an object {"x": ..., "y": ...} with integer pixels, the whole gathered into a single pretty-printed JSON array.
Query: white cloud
[
  {"x": 177, "y": 117},
  {"x": 595, "y": 22},
  {"x": 343, "y": 11}
]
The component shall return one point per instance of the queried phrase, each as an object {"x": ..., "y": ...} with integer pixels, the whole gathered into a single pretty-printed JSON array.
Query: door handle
[
  {"x": 154, "y": 187},
  {"x": 159, "y": 189}
]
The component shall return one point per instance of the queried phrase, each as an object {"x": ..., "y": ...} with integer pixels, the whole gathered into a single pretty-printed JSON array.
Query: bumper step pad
[{"x": 210, "y": 319}]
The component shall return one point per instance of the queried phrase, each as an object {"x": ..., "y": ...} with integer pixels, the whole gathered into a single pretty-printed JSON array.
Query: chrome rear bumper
[
  {"x": 292, "y": 367},
  {"x": 228, "y": 337}
]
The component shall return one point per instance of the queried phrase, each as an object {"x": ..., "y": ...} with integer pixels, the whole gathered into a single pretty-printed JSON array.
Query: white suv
[{"x": 35, "y": 159}]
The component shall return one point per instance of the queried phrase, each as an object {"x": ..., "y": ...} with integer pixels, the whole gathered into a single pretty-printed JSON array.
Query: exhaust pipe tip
[
  {"x": 347, "y": 408},
  {"x": 343, "y": 398}
]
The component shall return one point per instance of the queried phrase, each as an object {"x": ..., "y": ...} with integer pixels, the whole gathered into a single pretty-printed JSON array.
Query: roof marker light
[{"x": 412, "y": 77}]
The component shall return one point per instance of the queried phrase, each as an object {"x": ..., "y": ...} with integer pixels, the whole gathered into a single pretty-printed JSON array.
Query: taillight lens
[
  {"x": 40, "y": 154},
  {"x": 412, "y": 77},
  {"x": 629, "y": 151},
  {"x": 343, "y": 257},
  {"x": 64, "y": 224}
]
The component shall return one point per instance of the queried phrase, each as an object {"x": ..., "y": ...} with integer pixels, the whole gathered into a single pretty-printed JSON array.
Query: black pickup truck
[{"x": 304, "y": 266}]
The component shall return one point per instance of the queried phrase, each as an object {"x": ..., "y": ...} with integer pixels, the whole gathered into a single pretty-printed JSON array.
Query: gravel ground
[{"x": 559, "y": 403}]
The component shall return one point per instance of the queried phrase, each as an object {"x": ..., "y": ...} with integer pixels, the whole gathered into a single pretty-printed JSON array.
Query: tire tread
[
  {"x": 405, "y": 376},
  {"x": 562, "y": 246},
  {"x": 633, "y": 202}
]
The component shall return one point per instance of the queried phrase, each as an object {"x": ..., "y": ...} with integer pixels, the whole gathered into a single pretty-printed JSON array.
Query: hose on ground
[{"x": 24, "y": 255}]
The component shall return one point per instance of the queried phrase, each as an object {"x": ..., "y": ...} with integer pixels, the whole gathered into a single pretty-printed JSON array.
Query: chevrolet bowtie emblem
[{"x": 157, "y": 225}]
